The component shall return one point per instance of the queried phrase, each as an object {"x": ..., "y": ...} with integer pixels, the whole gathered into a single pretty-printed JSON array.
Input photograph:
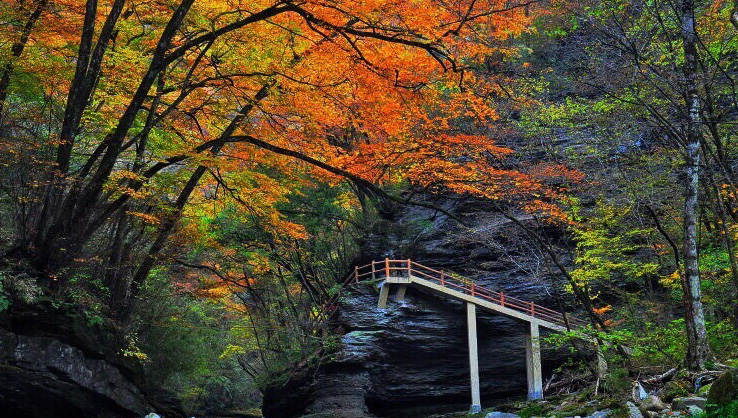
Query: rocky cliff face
[
  {"x": 411, "y": 359},
  {"x": 49, "y": 367},
  {"x": 43, "y": 377}
]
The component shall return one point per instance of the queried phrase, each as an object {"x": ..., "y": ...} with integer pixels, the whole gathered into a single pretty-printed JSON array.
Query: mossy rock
[
  {"x": 724, "y": 390},
  {"x": 704, "y": 390},
  {"x": 534, "y": 409},
  {"x": 683, "y": 374},
  {"x": 574, "y": 409},
  {"x": 585, "y": 394},
  {"x": 674, "y": 389}
]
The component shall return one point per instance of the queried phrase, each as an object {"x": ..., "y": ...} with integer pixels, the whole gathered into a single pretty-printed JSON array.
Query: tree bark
[
  {"x": 85, "y": 77},
  {"x": 72, "y": 212},
  {"x": 698, "y": 351},
  {"x": 125, "y": 305},
  {"x": 17, "y": 49}
]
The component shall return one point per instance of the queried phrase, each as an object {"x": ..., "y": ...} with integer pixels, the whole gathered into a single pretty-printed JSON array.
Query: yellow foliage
[{"x": 672, "y": 281}]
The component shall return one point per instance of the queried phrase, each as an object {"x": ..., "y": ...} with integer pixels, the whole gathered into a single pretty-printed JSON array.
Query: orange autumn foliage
[{"x": 382, "y": 90}]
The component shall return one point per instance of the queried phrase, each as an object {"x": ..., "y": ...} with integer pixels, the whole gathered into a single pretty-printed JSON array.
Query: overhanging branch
[{"x": 359, "y": 181}]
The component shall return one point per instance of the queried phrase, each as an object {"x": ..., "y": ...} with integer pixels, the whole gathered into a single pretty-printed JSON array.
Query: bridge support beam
[
  {"x": 533, "y": 361},
  {"x": 383, "y": 295},
  {"x": 400, "y": 295},
  {"x": 471, "y": 319}
]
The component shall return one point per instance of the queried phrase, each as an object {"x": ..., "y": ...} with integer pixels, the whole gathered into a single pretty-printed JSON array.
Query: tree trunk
[
  {"x": 125, "y": 305},
  {"x": 68, "y": 222},
  {"x": 698, "y": 351},
  {"x": 16, "y": 51}
]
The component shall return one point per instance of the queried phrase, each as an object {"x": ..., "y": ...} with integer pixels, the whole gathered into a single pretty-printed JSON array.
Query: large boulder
[
  {"x": 725, "y": 389},
  {"x": 54, "y": 364},
  {"x": 633, "y": 411},
  {"x": 409, "y": 358},
  {"x": 673, "y": 389},
  {"x": 652, "y": 403},
  {"x": 695, "y": 410},
  {"x": 44, "y": 377},
  {"x": 682, "y": 404}
]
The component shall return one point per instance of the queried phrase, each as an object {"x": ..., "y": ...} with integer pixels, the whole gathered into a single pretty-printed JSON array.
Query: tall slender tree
[{"x": 698, "y": 350}]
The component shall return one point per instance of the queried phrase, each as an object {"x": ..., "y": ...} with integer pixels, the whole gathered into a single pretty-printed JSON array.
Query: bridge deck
[{"x": 408, "y": 272}]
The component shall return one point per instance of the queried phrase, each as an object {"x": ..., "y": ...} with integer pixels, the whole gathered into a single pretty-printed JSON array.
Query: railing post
[
  {"x": 409, "y": 268},
  {"x": 502, "y": 299},
  {"x": 472, "y": 289},
  {"x": 356, "y": 274},
  {"x": 386, "y": 268},
  {"x": 443, "y": 281},
  {"x": 374, "y": 271},
  {"x": 532, "y": 309}
]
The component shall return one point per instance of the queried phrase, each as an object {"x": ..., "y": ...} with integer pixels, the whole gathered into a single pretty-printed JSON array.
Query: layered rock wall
[{"x": 411, "y": 359}]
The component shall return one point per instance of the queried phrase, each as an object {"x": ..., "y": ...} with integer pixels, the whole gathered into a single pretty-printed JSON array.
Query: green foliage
[
  {"x": 652, "y": 346},
  {"x": 723, "y": 337},
  {"x": 4, "y": 300},
  {"x": 658, "y": 345},
  {"x": 283, "y": 281},
  {"x": 17, "y": 287},
  {"x": 717, "y": 286},
  {"x": 714, "y": 258},
  {"x": 332, "y": 343},
  {"x": 609, "y": 339},
  {"x": 87, "y": 295},
  {"x": 618, "y": 380},
  {"x": 728, "y": 411},
  {"x": 132, "y": 349},
  {"x": 607, "y": 247},
  {"x": 93, "y": 317},
  {"x": 185, "y": 345},
  {"x": 532, "y": 410}
]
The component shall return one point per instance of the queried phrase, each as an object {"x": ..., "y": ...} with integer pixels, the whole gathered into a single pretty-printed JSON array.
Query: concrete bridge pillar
[
  {"x": 400, "y": 295},
  {"x": 533, "y": 361},
  {"x": 383, "y": 295},
  {"x": 471, "y": 320}
]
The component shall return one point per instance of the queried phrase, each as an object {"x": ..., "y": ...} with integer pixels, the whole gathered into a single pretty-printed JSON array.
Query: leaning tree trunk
[{"x": 698, "y": 351}]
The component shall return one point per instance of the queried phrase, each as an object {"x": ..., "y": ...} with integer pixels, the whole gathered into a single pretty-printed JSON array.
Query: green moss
[
  {"x": 574, "y": 409},
  {"x": 704, "y": 390},
  {"x": 362, "y": 335},
  {"x": 534, "y": 409},
  {"x": 674, "y": 389},
  {"x": 724, "y": 390}
]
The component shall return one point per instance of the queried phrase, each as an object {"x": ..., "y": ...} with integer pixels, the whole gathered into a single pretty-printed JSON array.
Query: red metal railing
[{"x": 406, "y": 268}]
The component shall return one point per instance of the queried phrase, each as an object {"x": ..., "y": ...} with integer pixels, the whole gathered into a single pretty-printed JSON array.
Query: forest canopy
[{"x": 211, "y": 171}]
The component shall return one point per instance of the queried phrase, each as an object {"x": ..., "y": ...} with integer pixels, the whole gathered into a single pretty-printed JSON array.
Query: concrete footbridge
[{"x": 400, "y": 274}]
